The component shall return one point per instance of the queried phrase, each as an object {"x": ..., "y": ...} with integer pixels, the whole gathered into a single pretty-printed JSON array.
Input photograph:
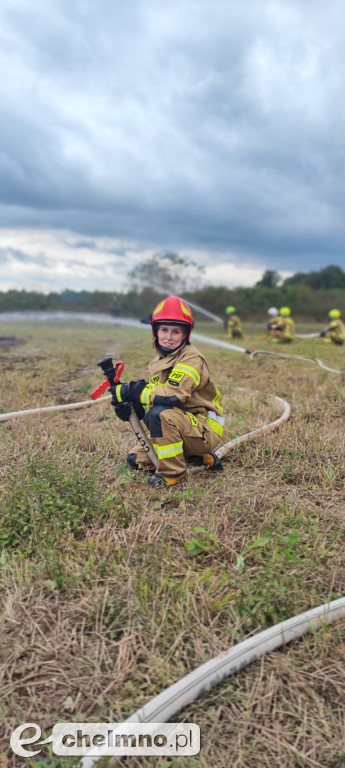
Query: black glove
[
  {"x": 116, "y": 392},
  {"x": 127, "y": 393},
  {"x": 131, "y": 392},
  {"x": 123, "y": 411}
]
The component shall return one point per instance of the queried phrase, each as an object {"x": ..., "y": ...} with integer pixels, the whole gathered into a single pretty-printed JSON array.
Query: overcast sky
[{"x": 211, "y": 128}]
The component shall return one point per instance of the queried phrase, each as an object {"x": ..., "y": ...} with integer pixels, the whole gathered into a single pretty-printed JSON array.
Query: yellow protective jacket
[
  {"x": 234, "y": 323},
  {"x": 183, "y": 380},
  {"x": 337, "y": 329},
  {"x": 284, "y": 324}
]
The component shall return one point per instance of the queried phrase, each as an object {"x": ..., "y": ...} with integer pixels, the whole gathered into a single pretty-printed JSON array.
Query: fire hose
[
  {"x": 254, "y": 352},
  {"x": 295, "y": 357},
  {"x": 176, "y": 697}
]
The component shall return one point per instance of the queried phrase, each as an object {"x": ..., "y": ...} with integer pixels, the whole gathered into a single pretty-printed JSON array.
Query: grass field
[{"x": 109, "y": 594}]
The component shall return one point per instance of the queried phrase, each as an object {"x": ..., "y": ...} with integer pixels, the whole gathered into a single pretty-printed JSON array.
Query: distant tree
[
  {"x": 326, "y": 278},
  {"x": 329, "y": 277},
  {"x": 270, "y": 279},
  {"x": 166, "y": 272},
  {"x": 296, "y": 279}
]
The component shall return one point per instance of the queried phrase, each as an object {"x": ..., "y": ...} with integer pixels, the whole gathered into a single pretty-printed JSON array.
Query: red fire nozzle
[{"x": 112, "y": 372}]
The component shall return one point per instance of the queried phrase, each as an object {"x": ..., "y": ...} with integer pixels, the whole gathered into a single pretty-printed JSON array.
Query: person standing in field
[
  {"x": 335, "y": 330},
  {"x": 179, "y": 403},
  {"x": 282, "y": 327},
  {"x": 234, "y": 325},
  {"x": 115, "y": 308}
]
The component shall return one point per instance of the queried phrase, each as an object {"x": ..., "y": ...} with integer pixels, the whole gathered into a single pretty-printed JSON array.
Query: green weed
[
  {"x": 46, "y": 504},
  {"x": 207, "y": 542}
]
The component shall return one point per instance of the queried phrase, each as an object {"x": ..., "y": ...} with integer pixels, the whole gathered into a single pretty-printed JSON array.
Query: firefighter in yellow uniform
[
  {"x": 282, "y": 327},
  {"x": 179, "y": 404},
  {"x": 335, "y": 330},
  {"x": 273, "y": 313},
  {"x": 234, "y": 325}
]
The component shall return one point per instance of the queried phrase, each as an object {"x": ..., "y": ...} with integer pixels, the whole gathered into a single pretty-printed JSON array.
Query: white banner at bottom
[{"x": 108, "y": 739}]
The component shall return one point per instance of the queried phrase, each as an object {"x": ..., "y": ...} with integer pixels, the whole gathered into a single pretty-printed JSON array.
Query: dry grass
[{"x": 103, "y": 605}]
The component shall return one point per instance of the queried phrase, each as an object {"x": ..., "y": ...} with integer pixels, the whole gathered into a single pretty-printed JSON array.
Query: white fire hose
[
  {"x": 176, "y": 697},
  {"x": 295, "y": 357},
  {"x": 163, "y": 707}
]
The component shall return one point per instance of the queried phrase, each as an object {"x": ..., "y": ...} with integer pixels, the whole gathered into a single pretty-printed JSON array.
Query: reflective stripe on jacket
[{"x": 182, "y": 379}]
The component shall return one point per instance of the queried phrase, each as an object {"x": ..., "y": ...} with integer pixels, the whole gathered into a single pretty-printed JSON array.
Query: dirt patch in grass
[{"x": 10, "y": 341}]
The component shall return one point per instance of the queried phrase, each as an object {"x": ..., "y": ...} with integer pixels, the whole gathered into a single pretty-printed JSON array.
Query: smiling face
[{"x": 171, "y": 336}]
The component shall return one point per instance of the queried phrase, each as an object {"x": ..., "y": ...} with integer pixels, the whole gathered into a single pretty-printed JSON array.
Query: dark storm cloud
[
  {"x": 13, "y": 254},
  {"x": 210, "y": 125},
  {"x": 91, "y": 245}
]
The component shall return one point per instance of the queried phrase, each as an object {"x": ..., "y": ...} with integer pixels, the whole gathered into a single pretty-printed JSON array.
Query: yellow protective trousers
[{"x": 176, "y": 434}]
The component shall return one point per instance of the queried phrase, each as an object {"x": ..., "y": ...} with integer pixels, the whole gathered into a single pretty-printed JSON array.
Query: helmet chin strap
[{"x": 168, "y": 351}]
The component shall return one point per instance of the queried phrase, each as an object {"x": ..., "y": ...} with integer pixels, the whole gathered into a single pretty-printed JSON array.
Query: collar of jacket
[
  {"x": 170, "y": 359},
  {"x": 165, "y": 363}
]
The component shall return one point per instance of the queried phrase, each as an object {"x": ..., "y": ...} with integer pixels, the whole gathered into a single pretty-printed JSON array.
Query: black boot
[
  {"x": 158, "y": 479},
  {"x": 132, "y": 460},
  {"x": 210, "y": 460}
]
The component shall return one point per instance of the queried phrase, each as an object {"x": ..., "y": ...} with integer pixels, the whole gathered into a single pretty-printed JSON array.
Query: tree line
[{"x": 310, "y": 295}]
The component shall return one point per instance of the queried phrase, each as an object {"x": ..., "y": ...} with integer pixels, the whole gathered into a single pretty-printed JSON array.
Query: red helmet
[{"x": 172, "y": 311}]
